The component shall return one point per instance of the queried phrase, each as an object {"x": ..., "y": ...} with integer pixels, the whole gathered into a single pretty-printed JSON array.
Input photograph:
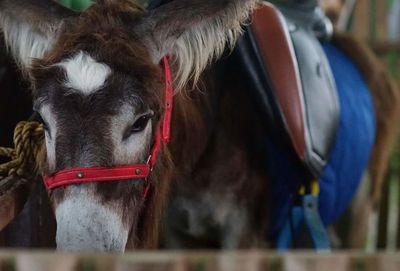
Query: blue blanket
[{"x": 349, "y": 156}]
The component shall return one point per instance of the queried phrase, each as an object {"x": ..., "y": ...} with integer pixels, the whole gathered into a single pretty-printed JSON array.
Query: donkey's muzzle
[{"x": 84, "y": 224}]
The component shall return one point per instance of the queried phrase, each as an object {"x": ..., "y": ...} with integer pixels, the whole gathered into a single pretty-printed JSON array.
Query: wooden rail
[{"x": 199, "y": 261}]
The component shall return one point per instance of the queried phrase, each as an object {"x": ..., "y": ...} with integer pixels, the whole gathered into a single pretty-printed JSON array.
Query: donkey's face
[
  {"x": 99, "y": 97},
  {"x": 98, "y": 90},
  {"x": 97, "y": 112}
]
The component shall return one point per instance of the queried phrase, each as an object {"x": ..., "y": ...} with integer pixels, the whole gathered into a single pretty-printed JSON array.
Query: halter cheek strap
[{"x": 123, "y": 172}]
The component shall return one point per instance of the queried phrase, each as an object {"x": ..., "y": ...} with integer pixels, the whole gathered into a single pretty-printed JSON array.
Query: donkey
[{"x": 98, "y": 89}]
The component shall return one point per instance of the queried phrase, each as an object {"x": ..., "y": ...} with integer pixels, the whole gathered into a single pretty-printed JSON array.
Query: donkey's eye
[{"x": 140, "y": 123}]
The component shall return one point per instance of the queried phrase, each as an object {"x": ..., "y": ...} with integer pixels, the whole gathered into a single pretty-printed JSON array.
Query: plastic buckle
[{"x": 304, "y": 212}]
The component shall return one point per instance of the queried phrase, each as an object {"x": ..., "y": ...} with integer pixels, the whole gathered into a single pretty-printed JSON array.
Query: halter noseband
[{"x": 123, "y": 172}]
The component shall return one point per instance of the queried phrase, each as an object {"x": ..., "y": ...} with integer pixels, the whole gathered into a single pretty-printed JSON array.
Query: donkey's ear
[
  {"x": 195, "y": 32},
  {"x": 30, "y": 27}
]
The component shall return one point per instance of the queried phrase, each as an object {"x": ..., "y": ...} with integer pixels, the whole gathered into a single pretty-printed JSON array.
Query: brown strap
[{"x": 277, "y": 52}]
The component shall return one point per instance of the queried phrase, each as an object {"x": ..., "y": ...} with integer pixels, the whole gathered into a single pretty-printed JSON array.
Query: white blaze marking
[{"x": 85, "y": 74}]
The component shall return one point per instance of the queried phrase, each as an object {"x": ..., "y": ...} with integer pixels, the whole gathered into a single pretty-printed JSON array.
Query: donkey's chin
[{"x": 83, "y": 224}]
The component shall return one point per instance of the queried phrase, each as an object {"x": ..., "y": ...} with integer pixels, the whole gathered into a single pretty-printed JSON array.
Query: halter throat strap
[{"x": 123, "y": 172}]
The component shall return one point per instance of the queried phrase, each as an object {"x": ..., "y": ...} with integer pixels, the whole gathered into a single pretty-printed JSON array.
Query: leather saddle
[{"x": 291, "y": 80}]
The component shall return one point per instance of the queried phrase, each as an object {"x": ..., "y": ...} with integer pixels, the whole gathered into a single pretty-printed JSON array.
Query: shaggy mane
[{"x": 206, "y": 42}]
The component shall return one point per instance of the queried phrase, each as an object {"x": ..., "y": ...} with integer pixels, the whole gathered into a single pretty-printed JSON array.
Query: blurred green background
[{"x": 76, "y": 4}]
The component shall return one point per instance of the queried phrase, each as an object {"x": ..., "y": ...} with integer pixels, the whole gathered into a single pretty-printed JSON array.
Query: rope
[{"x": 28, "y": 139}]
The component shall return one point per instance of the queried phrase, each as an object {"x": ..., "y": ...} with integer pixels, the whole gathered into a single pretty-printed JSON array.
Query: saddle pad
[
  {"x": 355, "y": 137},
  {"x": 349, "y": 156}
]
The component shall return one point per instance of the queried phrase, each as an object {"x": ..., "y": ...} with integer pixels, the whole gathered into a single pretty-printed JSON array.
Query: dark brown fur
[{"x": 222, "y": 156}]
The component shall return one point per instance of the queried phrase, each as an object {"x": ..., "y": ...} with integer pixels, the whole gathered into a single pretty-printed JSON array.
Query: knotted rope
[{"x": 28, "y": 139}]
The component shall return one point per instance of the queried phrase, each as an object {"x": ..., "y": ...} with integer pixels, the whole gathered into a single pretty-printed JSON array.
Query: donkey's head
[{"x": 97, "y": 85}]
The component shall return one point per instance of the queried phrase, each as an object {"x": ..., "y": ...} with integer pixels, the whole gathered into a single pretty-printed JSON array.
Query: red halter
[{"x": 124, "y": 172}]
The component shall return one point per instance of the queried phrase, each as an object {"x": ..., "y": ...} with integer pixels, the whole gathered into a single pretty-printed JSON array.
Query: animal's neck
[
  {"x": 219, "y": 110},
  {"x": 220, "y": 170},
  {"x": 194, "y": 120}
]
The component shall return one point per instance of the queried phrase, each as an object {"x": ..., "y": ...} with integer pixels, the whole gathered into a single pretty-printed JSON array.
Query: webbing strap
[{"x": 305, "y": 212}]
